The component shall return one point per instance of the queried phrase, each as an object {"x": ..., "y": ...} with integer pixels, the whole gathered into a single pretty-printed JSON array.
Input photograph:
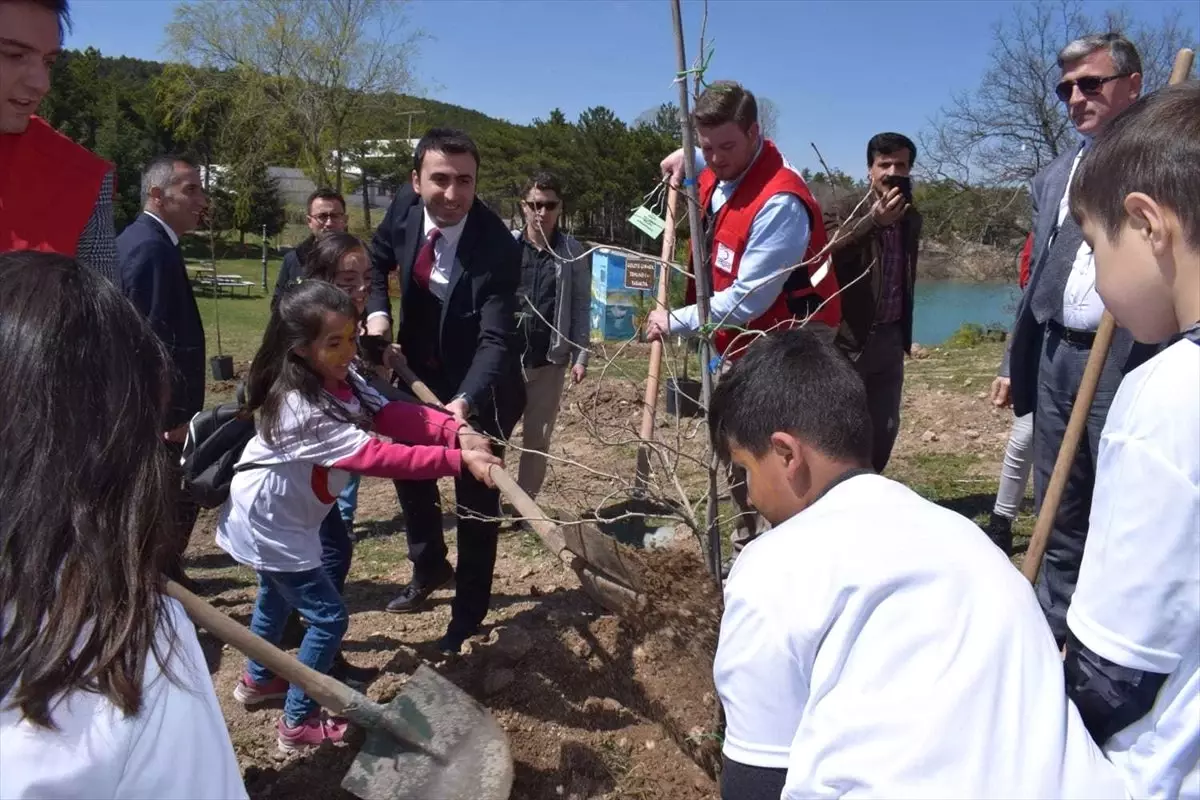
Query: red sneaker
[
  {"x": 311, "y": 732},
  {"x": 249, "y": 693}
]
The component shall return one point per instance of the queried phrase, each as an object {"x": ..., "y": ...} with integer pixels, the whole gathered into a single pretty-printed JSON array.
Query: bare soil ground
[{"x": 594, "y": 706}]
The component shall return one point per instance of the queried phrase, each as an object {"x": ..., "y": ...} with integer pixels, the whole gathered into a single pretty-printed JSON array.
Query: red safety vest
[
  {"x": 768, "y": 176},
  {"x": 48, "y": 189}
]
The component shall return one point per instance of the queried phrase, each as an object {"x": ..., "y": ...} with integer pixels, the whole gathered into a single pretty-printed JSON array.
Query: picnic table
[{"x": 205, "y": 275}]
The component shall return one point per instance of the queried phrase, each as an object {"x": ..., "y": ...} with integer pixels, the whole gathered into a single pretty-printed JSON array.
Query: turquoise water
[{"x": 944, "y": 306}]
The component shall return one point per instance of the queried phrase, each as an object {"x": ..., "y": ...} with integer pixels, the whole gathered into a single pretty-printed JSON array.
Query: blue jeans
[
  {"x": 314, "y": 596},
  {"x": 336, "y": 549},
  {"x": 347, "y": 502}
]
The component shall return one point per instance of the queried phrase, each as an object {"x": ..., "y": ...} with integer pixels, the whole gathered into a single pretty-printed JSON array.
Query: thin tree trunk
[{"x": 366, "y": 199}]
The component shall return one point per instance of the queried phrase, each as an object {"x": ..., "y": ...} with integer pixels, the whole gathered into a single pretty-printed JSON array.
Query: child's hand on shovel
[
  {"x": 480, "y": 465},
  {"x": 469, "y": 439}
]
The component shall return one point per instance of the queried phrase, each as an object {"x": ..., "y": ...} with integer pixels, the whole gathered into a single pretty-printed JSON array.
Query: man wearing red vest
[
  {"x": 54, "y": 195},
  {"x": 760, "y": 223}
]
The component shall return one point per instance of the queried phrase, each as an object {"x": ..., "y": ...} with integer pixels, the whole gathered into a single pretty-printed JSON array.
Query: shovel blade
[
  {"x": 601, "y": 553},
  {"x": 466, "y": 754}
]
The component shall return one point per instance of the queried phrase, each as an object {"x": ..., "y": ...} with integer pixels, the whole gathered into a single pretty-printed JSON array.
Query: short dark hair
[
  {"x": 324, "y": 193},
  {"x": 61, "y": 9},
  {"x": 444, "y": 140},
  {"x": 793, "y": 381},
  {"x": 726, "y": 101},
  {"x": 888, "y": 143},
  {"x": 1151, "y": 147},
  {"x": 545, "y": 181},
  {"x": 88, "y": 527}
]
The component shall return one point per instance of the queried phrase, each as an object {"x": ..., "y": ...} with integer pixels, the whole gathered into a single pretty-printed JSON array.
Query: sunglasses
[
  {"x": 542, "y": 205},
  {"x": 1090, "y": 85}
]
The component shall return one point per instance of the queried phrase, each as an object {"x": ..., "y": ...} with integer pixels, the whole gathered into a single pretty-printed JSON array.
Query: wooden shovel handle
[
  {"x": 1083, "y": 405},
  {"x": 656, "y": 347},
  {"x": 329, "y": 692},
  {"x": 545, "y": 528}
]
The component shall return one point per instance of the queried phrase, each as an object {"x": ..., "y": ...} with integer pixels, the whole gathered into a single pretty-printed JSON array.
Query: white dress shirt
[
  {"x": 1082, "y": 306},
  {"x": 166, "y": 227},
  {"x": 444, "y": 253}
]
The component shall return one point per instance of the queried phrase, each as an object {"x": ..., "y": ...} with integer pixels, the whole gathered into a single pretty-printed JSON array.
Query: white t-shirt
[
  {"x": 176, "y": 747},
  {"x": 272, "y": 519},
  {"x": 1137, "y": 602},
  {"x": 878, "y": 645}
]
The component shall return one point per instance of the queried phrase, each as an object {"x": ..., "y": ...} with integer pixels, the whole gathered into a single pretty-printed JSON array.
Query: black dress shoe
[
  {"x": 451, "y": 644},
  {"x": 353, "y": 676},
  {"x": 413, "y": 595}
]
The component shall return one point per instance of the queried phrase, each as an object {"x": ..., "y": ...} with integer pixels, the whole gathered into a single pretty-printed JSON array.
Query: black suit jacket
[
  {"x": 292, "y": 268},
  {"x": 476, "y": 332},
  {"x": 155, "y": 280}
]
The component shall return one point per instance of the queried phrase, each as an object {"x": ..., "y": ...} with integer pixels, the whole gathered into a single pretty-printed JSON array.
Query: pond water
[{"x": 942, "y": 307}]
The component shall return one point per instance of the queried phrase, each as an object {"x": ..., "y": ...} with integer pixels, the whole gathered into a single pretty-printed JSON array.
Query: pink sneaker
[
  {"x": 249, "y": 693},
  {"x": 311, "y": 732}
]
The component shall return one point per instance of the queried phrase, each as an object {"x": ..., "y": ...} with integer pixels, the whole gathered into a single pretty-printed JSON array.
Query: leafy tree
[{"x": 386, "y": 165}]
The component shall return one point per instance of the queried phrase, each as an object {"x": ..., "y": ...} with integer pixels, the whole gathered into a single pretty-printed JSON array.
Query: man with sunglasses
[
  {"x": 553, "y": 319},
  {"x": 326, "y": 213},
  {"x": 1060, "y": 312}
]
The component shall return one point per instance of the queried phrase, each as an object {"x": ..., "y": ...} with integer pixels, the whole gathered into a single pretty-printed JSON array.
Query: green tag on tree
[{"x": 648, "y": 222}]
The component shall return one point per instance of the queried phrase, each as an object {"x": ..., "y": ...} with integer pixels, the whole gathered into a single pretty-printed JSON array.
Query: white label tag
[
  {"x": 724, "y": 258},
  {"x": 821, "y": 272},
  {"x": 647, "y": 222}
]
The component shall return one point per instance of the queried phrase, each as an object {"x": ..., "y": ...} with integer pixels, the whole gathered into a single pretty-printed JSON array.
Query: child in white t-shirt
[
  {"x": 873, "y": 643},
  {"x": 104, "y": 690},
  {"x": 313, "y": 413},
  {"x": 1133, "y": 650}
]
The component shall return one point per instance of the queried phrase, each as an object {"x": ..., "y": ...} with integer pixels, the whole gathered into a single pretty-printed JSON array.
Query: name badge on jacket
[{"x": 724, "y": 258}]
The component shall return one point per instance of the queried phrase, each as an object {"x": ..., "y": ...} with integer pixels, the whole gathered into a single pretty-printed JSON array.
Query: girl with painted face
[{"x": 313, "y": 413}]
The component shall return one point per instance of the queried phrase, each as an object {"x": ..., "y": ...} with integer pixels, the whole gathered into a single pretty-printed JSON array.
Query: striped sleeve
[{"x": 97, "y": 246}]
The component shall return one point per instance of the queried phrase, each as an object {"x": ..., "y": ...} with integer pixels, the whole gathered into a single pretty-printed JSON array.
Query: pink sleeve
[
  {"x": 409, "y": 422},
  {"x": 379, "y": 459}
]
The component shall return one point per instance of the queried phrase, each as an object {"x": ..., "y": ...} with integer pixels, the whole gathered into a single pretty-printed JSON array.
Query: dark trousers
[
  {"x": 185, "y": 513},
  {"x": 1059, "y": 376},
  {"x": 478, "y": 531},
  {"x": 881, "y": 367},
  {"x": 743, "y": 782}
]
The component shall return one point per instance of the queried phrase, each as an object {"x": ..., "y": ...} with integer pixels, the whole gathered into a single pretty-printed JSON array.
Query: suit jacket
[
  {"x": 1023, "y": 354},
  {"x": 155, "y": 280},
  {"x": 476, "y": 333},
  {"x": 292, "y": 268},
  {"x": 863, "y": 251}
]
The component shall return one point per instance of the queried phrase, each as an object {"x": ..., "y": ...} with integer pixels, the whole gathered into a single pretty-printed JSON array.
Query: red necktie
[{"x": 423, "y": 266}]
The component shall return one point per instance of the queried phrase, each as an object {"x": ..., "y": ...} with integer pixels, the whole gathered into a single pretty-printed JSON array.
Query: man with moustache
[{"x": 459, "y": 271}]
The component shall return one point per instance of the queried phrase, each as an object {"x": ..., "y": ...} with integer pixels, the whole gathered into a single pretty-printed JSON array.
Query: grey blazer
[{"x": 1024, "y": 351}]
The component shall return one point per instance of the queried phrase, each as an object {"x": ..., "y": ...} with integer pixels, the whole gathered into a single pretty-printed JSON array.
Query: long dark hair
[
  {"x": 277, "y": 370},
  {"x": 85, "y": 486},
  {"x": 326, "y": 254}
]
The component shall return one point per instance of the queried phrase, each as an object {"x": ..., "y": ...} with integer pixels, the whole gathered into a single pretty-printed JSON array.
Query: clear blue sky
[{"x": 838, "y": 71}]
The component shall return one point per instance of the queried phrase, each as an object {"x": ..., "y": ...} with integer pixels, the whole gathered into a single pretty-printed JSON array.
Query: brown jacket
[{"x": 860, "y": 252}]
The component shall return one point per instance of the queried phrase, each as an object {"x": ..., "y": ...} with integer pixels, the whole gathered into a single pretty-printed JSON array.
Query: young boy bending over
[
  {"x": 874, "y": 644},
  {"x": 1133, "y": 648}
]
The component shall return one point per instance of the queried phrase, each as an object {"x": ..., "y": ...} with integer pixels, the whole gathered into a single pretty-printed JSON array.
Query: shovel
[
  {"x": 431, "y": 740},
  {"x": 593, "y": 556}
]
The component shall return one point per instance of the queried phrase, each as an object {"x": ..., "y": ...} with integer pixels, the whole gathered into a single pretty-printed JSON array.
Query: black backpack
[{"x": 215, "y": 440}]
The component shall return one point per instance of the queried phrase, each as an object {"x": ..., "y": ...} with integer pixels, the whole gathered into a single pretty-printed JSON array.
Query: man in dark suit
[
  {"x": 875, "y": 257},
  {"x": 1060, "y": 312},
  {"x": 155, "y": 280},
  {"x": 459, "y": 272},
  {"x": 325, "y": 213}
]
